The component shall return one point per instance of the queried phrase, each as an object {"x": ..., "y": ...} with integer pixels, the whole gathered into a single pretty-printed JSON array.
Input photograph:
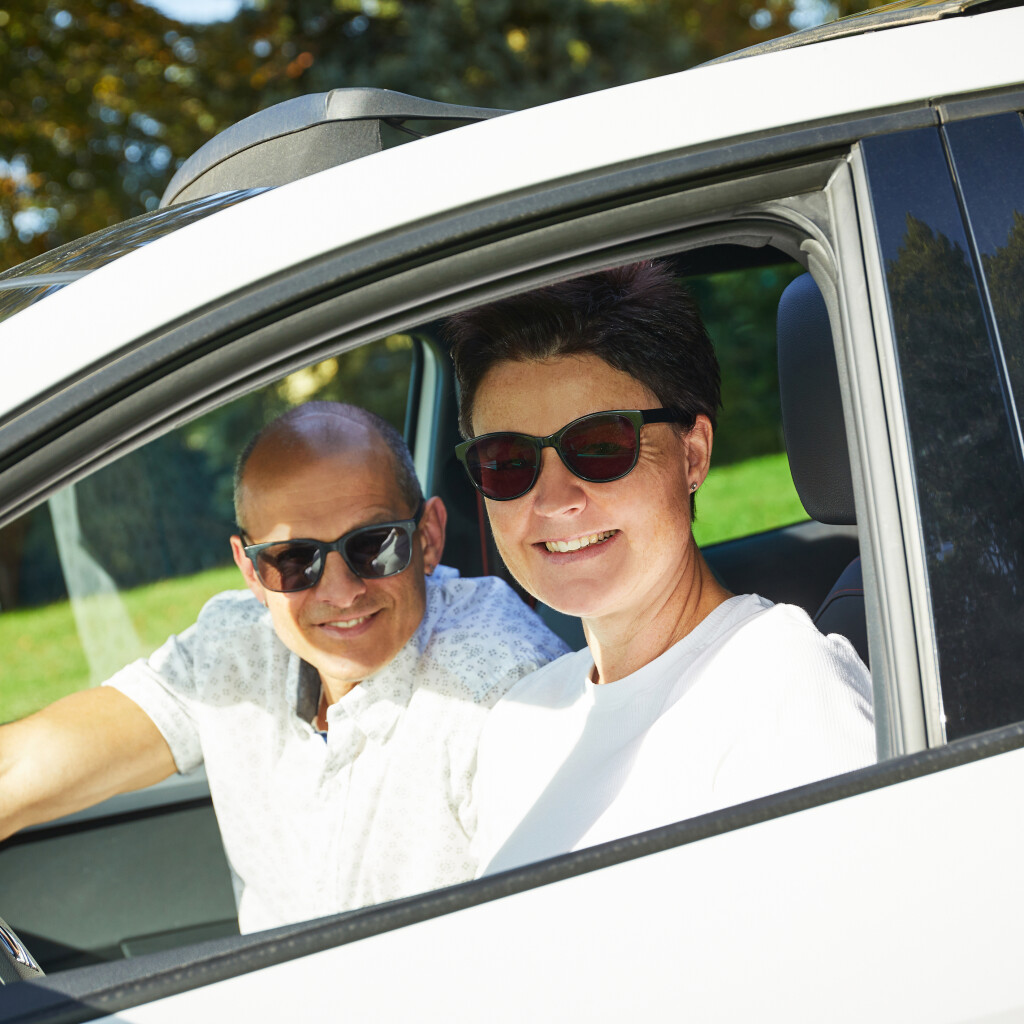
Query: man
[{"x": 336, "y": 704}]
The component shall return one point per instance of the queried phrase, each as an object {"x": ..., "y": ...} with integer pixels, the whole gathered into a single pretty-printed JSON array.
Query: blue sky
[{"x": 195, "y": 12}]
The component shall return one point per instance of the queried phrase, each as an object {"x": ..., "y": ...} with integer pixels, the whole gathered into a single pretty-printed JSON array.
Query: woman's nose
[{"x": 558, "y": 490}]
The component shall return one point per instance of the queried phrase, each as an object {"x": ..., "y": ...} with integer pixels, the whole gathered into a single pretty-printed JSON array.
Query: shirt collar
[{"x": 377, "y": 703}]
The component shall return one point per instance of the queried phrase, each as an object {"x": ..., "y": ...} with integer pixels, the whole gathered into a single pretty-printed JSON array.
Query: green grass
[
  {"x": 43, "y": 658},
  {"x": 746, "y": 497}
]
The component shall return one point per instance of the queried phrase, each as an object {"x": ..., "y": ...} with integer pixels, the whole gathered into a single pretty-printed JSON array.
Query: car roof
[
  {"x": 524, "y": 151},
  {"x": 898, "y": 14}
]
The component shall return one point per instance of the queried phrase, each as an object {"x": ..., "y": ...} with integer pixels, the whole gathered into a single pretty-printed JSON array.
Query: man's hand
[{"x": 78, "y": 751}]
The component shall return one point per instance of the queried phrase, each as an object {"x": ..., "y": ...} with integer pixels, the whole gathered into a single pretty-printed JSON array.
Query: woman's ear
[
  {"x": 432, "y": 531},
  {"x": 698, "y": 451}
]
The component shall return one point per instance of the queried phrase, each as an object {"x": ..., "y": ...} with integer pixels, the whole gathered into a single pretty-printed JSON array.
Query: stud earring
[{"x": 693, "y": 487}]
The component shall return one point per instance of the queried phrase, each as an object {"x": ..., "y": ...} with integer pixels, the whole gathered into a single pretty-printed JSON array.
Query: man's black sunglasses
[
  {"x": 371, "y": 552},
  {"x": 601, "y": 447}
]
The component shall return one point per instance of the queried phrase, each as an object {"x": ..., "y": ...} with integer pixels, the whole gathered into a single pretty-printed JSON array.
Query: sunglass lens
[
  {"x": 503, "y": 466},
  {"x": 375, "y": 553},
  {"x": 287, "y": 567},
  {"x": 601, "y": 447}
]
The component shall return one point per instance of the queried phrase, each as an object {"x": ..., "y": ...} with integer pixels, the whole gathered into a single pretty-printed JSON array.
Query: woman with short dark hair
[{"x": 589, "y": 411}]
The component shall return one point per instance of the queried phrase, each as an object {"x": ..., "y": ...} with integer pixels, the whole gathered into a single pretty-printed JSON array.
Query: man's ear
[
  {"x": 432, "y": 528},
  {"x": 246, "y": 569}
]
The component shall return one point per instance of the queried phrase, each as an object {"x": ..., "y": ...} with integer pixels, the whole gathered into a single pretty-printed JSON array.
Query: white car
[{"x": 878, "y": 163}]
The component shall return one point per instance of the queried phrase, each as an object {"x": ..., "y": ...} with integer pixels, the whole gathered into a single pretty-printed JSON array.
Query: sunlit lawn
[
  {"x": 747, "y": 497},
  {"x": 43, "y": 659}
]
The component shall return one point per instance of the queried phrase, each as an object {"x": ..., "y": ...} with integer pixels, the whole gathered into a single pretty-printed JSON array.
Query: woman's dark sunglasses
[
  {"x": 371, "y": 552},
  {"x": 601, "y": 447}
]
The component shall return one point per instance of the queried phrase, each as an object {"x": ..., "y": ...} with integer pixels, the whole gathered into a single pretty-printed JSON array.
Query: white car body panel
[
  {"x": 857, "y": 910},
  {"x": 267, "y": 234}
]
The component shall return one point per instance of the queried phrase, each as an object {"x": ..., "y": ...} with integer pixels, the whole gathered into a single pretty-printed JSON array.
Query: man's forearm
[{"x": 83, "y": 749}]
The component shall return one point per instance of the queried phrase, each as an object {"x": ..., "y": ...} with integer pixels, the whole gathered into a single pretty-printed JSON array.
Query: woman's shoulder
[
  {"x": 790, "y": 625},
  {"x": 786, "y": 651}
]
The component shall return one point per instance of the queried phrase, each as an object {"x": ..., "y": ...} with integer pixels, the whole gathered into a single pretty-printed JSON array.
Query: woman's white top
[{"x": 754, "y": 701}]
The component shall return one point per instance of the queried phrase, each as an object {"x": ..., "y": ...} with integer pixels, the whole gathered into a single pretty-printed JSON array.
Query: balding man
[{"x": 336, "y": 703}]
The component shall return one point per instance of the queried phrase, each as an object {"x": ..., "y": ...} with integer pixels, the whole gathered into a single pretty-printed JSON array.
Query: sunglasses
[
  {"x": 601, "y": 447},
  {"x": 371, "y": 552}
]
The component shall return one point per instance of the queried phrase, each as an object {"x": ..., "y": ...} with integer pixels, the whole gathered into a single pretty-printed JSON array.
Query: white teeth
[
  {"x": 346, "y": 623},
  {"x": 579, "y": 542}
]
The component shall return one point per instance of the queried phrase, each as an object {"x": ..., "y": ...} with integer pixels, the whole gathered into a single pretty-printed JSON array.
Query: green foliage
[
  {"x": 739, "y": 312},
  {"x": 97, "y": 100}
]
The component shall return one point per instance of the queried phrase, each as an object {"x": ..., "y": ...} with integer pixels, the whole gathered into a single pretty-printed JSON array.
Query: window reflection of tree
[
  {"x": 1004, "y": 273},
  {"x": 969, "y": 485}
]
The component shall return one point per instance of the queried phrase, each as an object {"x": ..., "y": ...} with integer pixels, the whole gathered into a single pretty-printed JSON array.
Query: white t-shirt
[
  {"x": 753, "y": 701},
  {"x": 381, "y": 809}
]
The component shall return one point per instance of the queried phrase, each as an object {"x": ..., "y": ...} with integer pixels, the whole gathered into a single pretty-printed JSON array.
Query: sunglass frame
[
  {"x": 638, "y": 418},
  {"x": 324, "y": 548}
]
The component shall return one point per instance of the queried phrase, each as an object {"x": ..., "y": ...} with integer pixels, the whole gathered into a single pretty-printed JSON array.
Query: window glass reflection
[{"x": 966, "y": 457}]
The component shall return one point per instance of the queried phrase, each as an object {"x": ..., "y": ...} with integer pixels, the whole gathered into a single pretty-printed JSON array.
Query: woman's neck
[{"x": 625, "y": 642}]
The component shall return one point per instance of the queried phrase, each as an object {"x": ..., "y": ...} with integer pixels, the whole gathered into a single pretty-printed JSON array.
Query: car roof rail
[{"x": 301, "y": 136}]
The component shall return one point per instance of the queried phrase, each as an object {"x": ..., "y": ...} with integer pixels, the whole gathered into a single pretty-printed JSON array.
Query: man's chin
[{"x": 347, "y": 667}]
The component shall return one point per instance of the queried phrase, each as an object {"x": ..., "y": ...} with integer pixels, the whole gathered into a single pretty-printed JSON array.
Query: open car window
[{"x": 112, "y": 565}]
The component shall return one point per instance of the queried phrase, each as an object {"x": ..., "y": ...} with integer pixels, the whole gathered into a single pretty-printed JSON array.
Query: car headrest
[{"x": 812, "y": 408}]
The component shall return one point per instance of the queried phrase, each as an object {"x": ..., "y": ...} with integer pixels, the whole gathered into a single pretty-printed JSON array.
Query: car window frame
[{"x": 159, "y": 390}]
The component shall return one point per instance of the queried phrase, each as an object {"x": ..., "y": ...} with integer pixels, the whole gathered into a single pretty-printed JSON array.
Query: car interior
[{"x": 146, "y": 872}]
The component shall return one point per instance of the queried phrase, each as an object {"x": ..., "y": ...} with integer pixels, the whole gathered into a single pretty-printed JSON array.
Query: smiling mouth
[
  {"x": 579, "y": 542},
  {"x": 347, "y": 623}
]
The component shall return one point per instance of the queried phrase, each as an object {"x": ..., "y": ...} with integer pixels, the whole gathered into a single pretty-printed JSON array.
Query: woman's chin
[{"x": 581, "y": 602}]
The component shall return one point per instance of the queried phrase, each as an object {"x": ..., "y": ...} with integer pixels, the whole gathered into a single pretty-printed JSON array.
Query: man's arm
[{"x": 78, "y": 751}]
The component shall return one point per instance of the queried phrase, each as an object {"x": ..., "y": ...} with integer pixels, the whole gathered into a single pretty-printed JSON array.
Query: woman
[{"x": 590, "y": 410}]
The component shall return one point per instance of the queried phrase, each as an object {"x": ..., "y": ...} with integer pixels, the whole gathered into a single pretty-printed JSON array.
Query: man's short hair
[
  {"x": 403, "y": 466},
  {"x": 637, "y": 318}
]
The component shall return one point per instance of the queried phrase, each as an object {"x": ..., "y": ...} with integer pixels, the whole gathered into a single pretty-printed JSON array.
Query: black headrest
[{"x": 812, "y": 408}]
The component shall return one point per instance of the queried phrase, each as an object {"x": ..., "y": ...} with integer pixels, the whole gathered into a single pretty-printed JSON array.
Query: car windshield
[{"x": 36, "y": 278}]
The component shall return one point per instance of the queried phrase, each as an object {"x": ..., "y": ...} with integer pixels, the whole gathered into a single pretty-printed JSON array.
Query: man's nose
[
  {"x": 558, "y": 490},
  {"x": 338, "y": 584}
]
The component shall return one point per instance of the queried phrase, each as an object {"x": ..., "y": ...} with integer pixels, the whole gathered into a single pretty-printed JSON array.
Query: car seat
[{"x": 812, "y": 421}]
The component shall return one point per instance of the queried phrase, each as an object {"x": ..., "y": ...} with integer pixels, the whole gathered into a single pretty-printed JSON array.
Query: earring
[{"x": 693, "y": 487}]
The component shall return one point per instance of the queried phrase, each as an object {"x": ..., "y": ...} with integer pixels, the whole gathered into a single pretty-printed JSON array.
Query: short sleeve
[{"x": 163, "y": 686}]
